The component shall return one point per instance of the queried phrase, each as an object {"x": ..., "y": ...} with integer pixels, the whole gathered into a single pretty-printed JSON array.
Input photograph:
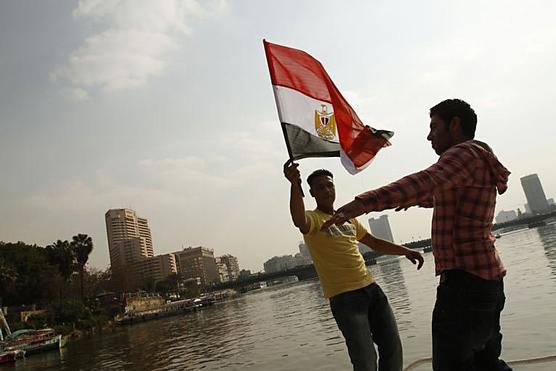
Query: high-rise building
[
  {"x": 222, "y": 270},
  {"x": 506, "y": 216},
  {"x": 536, "y": 199},
  {"x": 380, "y": 227},
  {"x": 232, "y": 266},
  {"x": 304, "y": 251},
  {"x": 197, "y": 263},
  {"x": 129, "y": 238}
]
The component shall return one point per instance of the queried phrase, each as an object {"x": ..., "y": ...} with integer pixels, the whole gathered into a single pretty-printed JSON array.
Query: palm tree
[
  {"x": 61, "y": 256},
  {"x": 82, "y": 245}
]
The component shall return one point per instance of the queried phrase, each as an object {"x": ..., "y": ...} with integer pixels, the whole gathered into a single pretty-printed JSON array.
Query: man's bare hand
[
  {"x": 291, "y": 172},
  {"x": 415, "y": 257},
  {"x": 344, "y": 213}
]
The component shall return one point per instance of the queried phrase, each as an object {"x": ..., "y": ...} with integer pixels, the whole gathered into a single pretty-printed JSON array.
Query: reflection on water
[
  {"x": 392, "y": 281},
  {"x": 290, "y": 327},
  {"x": 547, "y": 236}
]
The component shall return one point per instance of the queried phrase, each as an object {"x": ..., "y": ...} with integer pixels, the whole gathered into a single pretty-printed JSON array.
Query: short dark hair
[
  {"x": 451, "y": 108},
  {"x": 317, "y": 173}
]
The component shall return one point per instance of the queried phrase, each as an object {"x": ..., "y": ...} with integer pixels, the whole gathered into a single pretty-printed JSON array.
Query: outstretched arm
[
  {"x": 297, "y": 206},
  {"x": 453, "y": 169},
  {"x": 389, "y": 248}
]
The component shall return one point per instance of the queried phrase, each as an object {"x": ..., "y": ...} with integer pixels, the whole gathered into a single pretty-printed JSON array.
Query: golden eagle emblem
[{"x": 325, "y": 123}]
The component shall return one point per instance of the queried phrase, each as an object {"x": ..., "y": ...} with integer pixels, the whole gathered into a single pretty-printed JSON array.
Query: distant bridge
[
  {"x": 524, "y": 221},
  {"x": 302, "y": 272},
  {"x": 516, "y": 222}
]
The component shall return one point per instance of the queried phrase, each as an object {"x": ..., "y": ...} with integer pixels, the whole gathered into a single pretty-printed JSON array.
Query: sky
[{"x": 166, "y": 107}]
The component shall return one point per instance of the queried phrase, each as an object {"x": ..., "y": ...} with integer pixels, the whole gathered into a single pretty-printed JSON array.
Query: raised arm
[
  {"x": 389, "y": 248},
  {"x": 297, "y": 206}
]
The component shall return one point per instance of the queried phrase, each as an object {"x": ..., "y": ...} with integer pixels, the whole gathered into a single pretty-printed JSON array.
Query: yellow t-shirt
[{"x": 337, "y": 260}]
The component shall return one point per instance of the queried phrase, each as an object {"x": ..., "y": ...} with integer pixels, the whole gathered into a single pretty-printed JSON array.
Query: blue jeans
[
  {"x": 466, "y": 323},
  {"x": 364, "y": 316}
]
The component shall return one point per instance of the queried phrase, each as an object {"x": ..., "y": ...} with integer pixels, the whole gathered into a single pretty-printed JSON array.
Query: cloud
[
  {"x": 75, "y": 94},
  {"x": 136, "y": 43}
]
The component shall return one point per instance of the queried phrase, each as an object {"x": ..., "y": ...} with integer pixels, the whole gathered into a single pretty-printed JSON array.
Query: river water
[{"x": 290, "y": 327}]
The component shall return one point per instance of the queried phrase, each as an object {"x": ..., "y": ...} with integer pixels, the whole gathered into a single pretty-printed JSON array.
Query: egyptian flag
[{"x": 316, "y": 119}]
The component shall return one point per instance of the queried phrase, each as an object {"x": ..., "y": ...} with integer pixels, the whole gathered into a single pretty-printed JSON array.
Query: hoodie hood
[{"x": 498, "y": 171}]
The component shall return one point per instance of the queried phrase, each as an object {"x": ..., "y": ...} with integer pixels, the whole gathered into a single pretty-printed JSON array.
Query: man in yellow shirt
[{"x": 358, "y": 304}]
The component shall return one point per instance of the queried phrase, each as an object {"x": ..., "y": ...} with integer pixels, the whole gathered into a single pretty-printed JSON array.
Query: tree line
[{"x": 31, "y": 274}]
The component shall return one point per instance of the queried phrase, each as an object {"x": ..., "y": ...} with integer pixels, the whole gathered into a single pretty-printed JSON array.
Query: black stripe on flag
[{"x": 302, "y": 144}]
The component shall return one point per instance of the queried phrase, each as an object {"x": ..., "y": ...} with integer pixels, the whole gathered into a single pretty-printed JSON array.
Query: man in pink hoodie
[{"x": 462, "y": 188}]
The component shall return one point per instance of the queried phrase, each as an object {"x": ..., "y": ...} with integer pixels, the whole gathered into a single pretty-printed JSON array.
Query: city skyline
[{"x": 167, "y": 108}]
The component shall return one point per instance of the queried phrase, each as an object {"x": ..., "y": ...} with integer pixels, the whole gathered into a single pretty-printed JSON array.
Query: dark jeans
[
  {"x": 466, "y": 323},
  {"x": 364, "y": 316}
]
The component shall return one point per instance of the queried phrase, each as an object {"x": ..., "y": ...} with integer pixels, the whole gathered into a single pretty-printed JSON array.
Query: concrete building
[
  {"x": 506, "y": 216},
  {"x": 156, "y": 268},
  {"x": 279, "y": 263},
  {"x": 302, "y": 260},
  {"x": 129, "y": 238},
  {"x": 197, "y": 263},
  {"x": 536, "y": 199},
  {"x": 304, "y": 251},
  {"x": 222, "y": 270},
  {"x": 244, "y": 274},
  {"x": 380, "y": 227},
  {"x": 232, "y": 266}
]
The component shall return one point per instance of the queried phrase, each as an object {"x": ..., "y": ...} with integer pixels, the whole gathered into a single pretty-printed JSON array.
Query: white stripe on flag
[{"x": 298, "y": 109}]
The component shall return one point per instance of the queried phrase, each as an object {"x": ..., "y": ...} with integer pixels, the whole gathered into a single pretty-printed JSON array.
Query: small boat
[
  {"x": 497, "y": 235},
  {"x": 539, "y": 223},
  {"x": 33, "y": 341},
  {"x": 11, "y": 355}
]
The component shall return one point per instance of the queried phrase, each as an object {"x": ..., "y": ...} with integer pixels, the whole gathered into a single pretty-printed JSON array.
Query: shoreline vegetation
[{"x": 52, "y": 287}]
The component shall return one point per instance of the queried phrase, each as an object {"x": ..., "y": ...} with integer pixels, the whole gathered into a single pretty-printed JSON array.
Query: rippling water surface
[{"x": 290, "y": 327}]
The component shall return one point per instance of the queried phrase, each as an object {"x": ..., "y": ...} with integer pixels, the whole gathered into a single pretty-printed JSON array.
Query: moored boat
[
  {"x": 33, "y": 341},
  {"x": 536, "y": 224},
  {"x": 11, "y": 355}
]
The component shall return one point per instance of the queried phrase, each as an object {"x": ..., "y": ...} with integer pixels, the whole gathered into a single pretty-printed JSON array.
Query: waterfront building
[
  {"x": 222, "y": 270},
  {"x": 380, "y": 227},
  {"x": 129, "y": 241},
  {"x": 302, "y": 260},
  {"x": 232, "y": 266},
  {"x": 304, "y": 251},
  {"x": 156, "y": 268},
  {"x": 536, "y": 199},
  {"x": 506, "y": 216},
  {"x": 197, "y": 263},
  {"x": 279, "y": 263},
  {"x": 244, "y": 273}
]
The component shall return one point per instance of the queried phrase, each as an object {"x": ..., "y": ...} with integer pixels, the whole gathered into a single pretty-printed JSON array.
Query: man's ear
[{"x": 455, "y": 125}]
